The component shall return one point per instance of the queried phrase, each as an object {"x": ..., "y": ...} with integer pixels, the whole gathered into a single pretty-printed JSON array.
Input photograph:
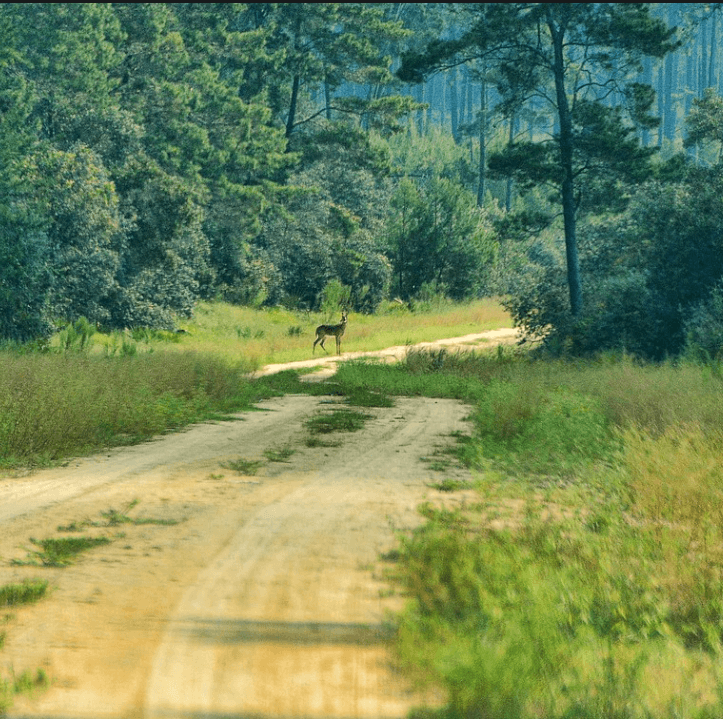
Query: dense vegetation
[
  {"x": 158, "y": 154},
  {"x": 582, "y": 578}
]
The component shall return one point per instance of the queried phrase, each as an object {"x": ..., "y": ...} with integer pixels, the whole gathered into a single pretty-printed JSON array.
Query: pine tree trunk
[
  {"x": 482, "y": 185},
  {"x": 566, "y": 143},
  {"x": 508, "y": 189},
  {"x": 292, "y": 106}
]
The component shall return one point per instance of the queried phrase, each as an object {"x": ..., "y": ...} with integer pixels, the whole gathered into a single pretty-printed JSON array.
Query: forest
[{"x": 564, "y": 156}]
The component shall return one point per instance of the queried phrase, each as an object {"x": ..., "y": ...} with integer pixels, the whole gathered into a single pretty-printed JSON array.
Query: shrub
[{"x": 540, "y": 430}]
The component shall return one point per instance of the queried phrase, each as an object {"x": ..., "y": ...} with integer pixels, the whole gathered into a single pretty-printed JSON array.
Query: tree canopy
[{"x": 157, "y": 154}]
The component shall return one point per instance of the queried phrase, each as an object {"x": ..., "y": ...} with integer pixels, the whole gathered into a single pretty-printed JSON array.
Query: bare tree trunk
[
  {"x": 566, "y": 143},
  {"x": 453, "y": 102},
  {"x": 508, "y": 189},
  {"x": 482, "y": 184},
  {"x": 327, "y": 99},
  {"x": 292, "y": 106}
]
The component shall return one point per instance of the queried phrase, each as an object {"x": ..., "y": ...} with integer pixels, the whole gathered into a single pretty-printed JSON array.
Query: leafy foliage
[{"x": 439, "y": 237}]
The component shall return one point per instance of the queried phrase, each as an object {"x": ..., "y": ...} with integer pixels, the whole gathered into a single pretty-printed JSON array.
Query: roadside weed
[
  {"x": 280, "y": 454},
  {"x": 586, "y": 581},
  {"x": 244, "y": 466},
  {"x": 54, "y": 552},
  {"x": 26, "y": 592},
  {"x": 113, "y": 518},
  {"x": 25, "y": 683},
  {"x": 315, "y": 442},
  {"x": 450, "y": 485},
  {"x": 340, "y": 420},
  {"x": 362, "y": 397}
]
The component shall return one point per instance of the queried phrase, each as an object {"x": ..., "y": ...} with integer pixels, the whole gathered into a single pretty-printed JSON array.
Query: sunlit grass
[
  {"x": 586, "y": 580},
  {"x": 277, "y": 335},
  {"x": 53, "y": 406},
  {"x": 93, "y": 390}
]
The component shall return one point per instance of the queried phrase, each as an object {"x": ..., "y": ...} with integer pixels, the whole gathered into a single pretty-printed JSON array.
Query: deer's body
[{"x": 324, "y": 331}]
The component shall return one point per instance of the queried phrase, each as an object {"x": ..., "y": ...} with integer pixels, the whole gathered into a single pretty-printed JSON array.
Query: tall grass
[
  {"x": 58, "y": 405},
  {"x": 587, "y": 582},
  {"x": 85, "y": 390}
]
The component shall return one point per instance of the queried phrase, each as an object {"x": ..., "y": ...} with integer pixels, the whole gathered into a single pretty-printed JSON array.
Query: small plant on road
[
  {"x": 26, "y": 592},
  {"x": 340, "y": 420},
  {"x": 280, "y": 454},
  {"x": 243, "y": 466},
  {"x": 54, "y": 552},
  {"x": 316, "y": 442},
  {"x": 114, "y": 517},
  {"x": 26, "y": 683}
]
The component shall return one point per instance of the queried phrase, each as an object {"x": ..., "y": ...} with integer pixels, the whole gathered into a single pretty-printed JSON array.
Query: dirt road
[{"x": 265, "y": 598}]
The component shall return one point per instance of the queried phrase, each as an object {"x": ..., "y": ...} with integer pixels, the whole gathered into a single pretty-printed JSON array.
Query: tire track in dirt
[
  {"x": 287, "y": 621},
  {"x": 264, "y": 601}
]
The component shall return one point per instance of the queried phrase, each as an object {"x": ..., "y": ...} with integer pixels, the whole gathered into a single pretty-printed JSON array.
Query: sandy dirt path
[{"x": 265, "y": 599}]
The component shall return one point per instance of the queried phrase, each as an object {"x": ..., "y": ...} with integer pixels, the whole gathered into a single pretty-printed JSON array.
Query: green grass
[
  {"x": 280, "y": 335},
  {"x": 91, "y": 390},
  {"x": 25, "y": 683},
  {"x": 55, "y": 406},
  {"x": 340, "y": 420},
  {"x": 586, "y": 581},
  {"x": 115, "y": 517},
  {"x": 60, "y": 552},
  {"x": 244, "y": 466},
  {"x": 363, "y": 397},
  {"x": 14, "y": 595},
  {"x": 25, "y": 592},
  {"x": 279, "y": 454}
]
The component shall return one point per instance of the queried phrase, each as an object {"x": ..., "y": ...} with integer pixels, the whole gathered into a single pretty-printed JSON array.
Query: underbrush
[{"x": 587, "y": 580}]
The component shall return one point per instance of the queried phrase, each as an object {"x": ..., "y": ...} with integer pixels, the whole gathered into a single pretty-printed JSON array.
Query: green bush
[
  {"x": 539, "y": 620},
  {"x": 704, "y": 327}
]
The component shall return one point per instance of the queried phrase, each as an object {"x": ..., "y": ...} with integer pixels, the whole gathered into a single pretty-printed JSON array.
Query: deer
[{"x": 324, "y": 331}]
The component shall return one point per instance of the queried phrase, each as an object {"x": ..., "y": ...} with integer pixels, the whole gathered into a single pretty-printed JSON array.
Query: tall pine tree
[{"x": 571, "y": 56}]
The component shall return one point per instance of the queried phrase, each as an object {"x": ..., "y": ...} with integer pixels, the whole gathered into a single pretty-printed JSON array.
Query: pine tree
[{"x": 572, "y": 56}]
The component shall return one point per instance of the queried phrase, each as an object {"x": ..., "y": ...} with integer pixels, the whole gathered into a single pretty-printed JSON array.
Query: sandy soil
[{"x": 265, "y": 599}]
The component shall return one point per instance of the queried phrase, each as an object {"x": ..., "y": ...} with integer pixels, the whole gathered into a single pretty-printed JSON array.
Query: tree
[
  {"x": 440, "y": 238},
  {"x": 85, "y": 231},
  {"x": 561, "y": 54},
  {"x": 705, "y": 121},
  {"x": 325, "y": 45},
  {"x": 25, "y": 279}
]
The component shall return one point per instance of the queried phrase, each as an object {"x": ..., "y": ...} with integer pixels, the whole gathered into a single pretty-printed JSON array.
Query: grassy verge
[
  {"x": 587, "y": 581},
  {"x": 280, "y": 335},
  {"x": 88, "y": 390},
  {"x": 59, "y": 405}
]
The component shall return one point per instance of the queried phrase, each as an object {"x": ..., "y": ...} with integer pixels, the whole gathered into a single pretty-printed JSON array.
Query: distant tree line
[{"x": 156, "y": 154}]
